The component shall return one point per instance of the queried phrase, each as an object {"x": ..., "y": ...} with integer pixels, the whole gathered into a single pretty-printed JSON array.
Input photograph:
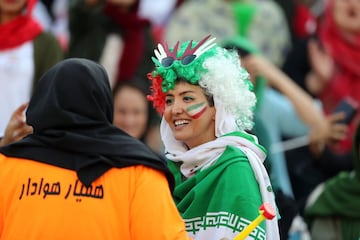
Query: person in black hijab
[{"x": 71, "y": 112}]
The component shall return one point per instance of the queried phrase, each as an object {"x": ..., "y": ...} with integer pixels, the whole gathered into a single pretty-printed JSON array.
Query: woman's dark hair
[{"x": 123, "y": 84}]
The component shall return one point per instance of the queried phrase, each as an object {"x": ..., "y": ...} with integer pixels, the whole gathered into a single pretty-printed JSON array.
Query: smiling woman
[{"x": 206, "y": 100}]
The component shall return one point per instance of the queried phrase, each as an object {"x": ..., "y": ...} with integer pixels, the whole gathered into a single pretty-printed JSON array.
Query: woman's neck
[{"x": 7, "y": 17}]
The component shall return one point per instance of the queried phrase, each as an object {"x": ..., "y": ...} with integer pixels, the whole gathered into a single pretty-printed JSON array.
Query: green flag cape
[{"x": 206, "y": 200}]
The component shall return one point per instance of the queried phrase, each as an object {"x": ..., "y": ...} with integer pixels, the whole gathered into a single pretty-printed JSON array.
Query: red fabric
[
  {"x": 158, "y": 96},
  {"x": 157, "y": 33},
  {"x": 346, "y": 54},
  {"x": 19, "y": 30},
  {"x": 133, "y": 29},
  {"x": 304, "y": 22}
]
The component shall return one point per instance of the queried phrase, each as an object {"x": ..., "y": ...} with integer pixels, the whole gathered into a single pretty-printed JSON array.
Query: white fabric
[
  {"x": 157, "y": 11},
  {"x": 224, "y": 122},
  {"x": 267, "y": 197},
  {"x": 16, "y": 79},
  {"x": 42, "y": 16},
  {"x": 205, "y": 155},
  {"x": 111, "y": 56}
]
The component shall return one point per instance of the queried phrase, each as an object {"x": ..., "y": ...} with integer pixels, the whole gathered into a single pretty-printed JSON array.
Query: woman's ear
[{"x": 213, "y": 113}]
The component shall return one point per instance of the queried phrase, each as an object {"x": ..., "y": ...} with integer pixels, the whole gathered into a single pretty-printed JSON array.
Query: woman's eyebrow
[
  {"x": 186, "y": 92},
  {"x": 181, "y": 93}
]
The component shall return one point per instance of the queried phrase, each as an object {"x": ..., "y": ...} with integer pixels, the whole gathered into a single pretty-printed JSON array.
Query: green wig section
[{"x": 191, "y": 72}]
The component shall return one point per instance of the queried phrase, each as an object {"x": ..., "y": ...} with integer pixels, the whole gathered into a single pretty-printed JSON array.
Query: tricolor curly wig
[{"x": 215, "y": 69}]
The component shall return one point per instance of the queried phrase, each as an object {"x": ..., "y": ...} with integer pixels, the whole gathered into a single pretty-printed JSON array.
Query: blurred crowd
[{"x": 302, "y": 56}]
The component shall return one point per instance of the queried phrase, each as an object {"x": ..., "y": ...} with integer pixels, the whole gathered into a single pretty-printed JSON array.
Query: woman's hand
[
  {"x": 17, "y": 128},
  {"x": 332, "y": 132},
  {"x": 321, "y": 62},
  {"x": 322, "y": 68}
]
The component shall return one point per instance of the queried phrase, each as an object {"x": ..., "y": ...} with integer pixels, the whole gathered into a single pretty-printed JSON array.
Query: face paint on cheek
[{"x": 196, "y": 110}]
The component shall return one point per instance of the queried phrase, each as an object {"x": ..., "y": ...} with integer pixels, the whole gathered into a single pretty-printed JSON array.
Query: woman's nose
[{"x": 177, "y": 108}]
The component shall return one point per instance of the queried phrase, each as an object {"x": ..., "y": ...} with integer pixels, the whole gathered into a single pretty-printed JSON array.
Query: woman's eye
[
  {"x": 168, "y": 101},
  {"x": 188, "y": 99}
]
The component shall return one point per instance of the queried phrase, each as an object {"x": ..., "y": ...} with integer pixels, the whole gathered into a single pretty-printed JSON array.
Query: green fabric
[
  {"x": 340, "y": 198},
  {"x": 228, "y": 186},
  {"x": 350, "y": 229},
  {"x": 47, "y": 52},
  {"x": 243, "y": 14}
]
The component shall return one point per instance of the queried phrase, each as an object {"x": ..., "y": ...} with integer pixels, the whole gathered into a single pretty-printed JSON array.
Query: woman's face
[
  {"x": 131, "y": 111},
  {"x": 12, "y": 6},
  {"x": 347, "y": 15},
  {"x": 189, "y": 115}
]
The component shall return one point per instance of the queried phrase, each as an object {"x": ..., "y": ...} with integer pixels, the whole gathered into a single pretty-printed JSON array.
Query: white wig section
[{"x": 228, "y": 82}]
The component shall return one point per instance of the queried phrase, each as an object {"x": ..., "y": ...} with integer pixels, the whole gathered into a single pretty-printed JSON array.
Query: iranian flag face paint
[{"x": 196, "y": 110}]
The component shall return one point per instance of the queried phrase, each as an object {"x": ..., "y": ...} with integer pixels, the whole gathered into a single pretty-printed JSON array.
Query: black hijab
[{"x": 71, "y": 112}]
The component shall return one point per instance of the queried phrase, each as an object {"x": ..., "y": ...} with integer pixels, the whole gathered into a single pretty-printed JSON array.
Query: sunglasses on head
[{"x": 169, "y": 61}]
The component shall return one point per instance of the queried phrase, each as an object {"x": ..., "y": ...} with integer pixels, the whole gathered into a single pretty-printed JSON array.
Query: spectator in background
[
  {"x": 325, "y": 65},
  {"x": 195, "y": 19},
  {"x": 264, "y": 24},
  {"x": 288, "y": 7},
  {"x": 333, "y": 210},
  {"x": 300, "y": 17},
  {"x": 132, "y": 114},
  {"x": 113, "y": 34},
  {"x": 58, "y": 12},
  {"x": 26, "y": 52},
  {"x": 85, "y": 178},
  {"x": 158, "y": 12},
  {"x": 303, "y": 22}
]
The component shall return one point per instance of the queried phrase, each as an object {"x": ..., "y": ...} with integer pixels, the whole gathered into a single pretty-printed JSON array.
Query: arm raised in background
[{"x": 322, "y": 128}]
